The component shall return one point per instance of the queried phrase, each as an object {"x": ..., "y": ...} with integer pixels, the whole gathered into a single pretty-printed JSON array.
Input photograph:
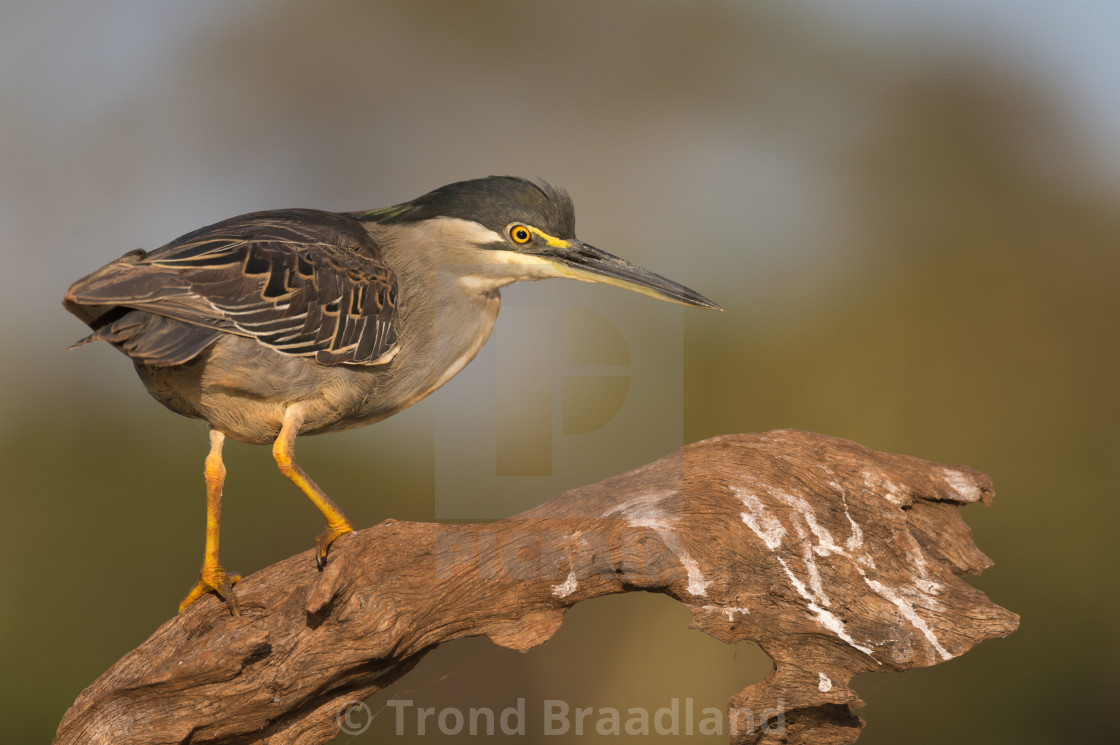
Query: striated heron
[{"x": 294, "y": 322}]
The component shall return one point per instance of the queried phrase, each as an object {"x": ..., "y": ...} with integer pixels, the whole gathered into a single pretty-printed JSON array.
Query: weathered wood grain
[{"x": 834, "y": 558}]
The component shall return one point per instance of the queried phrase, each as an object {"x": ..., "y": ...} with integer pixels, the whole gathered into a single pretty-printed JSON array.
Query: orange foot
[
  {"x": 214, "y": 579},
  {"x": 326, "y": 538}
]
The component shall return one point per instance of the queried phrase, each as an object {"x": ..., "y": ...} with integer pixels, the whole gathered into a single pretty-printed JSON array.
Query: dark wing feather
[
  {"x": 151, "y": 339},
  {"x": 303, "y": 282}
]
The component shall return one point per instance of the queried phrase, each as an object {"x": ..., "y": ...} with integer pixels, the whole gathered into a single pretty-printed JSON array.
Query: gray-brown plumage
[{"x": 288, "y": 322}]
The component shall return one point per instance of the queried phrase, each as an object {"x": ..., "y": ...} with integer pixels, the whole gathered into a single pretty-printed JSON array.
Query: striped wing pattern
[{"x": 303, "y": 282}]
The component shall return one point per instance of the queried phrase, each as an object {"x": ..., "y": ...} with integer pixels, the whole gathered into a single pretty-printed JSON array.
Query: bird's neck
[
  {"x": 443, "y": 321},
  {"x": 438, "y": 270}
]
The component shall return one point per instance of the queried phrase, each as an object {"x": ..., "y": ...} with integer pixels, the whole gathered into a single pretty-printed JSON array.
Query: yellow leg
[
  {"x": 214, "y": 578},
  {"x": 284, "y": 451}
]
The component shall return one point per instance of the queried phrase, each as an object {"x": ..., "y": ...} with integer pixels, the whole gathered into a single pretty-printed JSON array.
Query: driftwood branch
[{"x": 835, "y": 558}]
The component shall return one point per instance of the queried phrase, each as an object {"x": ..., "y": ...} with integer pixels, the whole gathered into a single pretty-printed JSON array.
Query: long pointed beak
[{"x": 589, "y": 264}]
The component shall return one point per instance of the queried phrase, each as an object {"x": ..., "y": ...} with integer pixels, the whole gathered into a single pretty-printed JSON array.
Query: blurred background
[{"x": 908, "y": 210}]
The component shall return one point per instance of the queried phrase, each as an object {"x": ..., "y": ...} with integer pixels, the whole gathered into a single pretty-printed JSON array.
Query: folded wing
[{"x": 303, "y": 282}]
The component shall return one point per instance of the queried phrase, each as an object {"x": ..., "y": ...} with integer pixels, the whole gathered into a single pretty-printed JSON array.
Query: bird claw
[
  {"x": 218, "y": 582},
  {"x": 325, "y": 539}
]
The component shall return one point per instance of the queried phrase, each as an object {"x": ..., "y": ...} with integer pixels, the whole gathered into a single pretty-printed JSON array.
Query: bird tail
[{"x": 150, "y": 339}]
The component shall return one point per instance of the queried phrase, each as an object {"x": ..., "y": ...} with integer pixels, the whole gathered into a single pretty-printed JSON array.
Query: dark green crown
[{"x": 495, "y": 201}]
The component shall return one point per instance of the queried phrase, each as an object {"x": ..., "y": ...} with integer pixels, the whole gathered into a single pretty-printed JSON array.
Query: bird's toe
[
  {"x": 219, "y": 582},
  {"x": 325, "y": 539}
]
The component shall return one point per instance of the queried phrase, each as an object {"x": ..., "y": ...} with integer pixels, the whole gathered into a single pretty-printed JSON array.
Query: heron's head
[{"x": 520, "y": 230}]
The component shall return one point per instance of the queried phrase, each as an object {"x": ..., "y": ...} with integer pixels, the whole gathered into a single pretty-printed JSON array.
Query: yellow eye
[{"x": 520, "y": 234}]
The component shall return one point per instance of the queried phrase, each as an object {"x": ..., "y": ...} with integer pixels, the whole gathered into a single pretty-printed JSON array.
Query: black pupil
[{"x": 521, "y": 234}]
